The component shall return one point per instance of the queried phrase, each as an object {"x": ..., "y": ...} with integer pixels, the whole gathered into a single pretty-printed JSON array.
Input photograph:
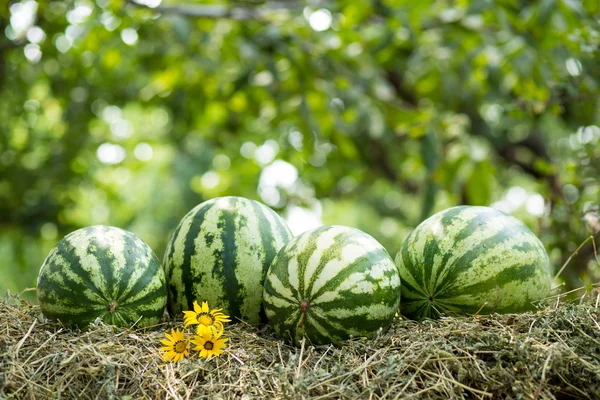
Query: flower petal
[
  {"x": 197, "y": 308},
  {"x": 217, "y": 352},
  {"x": 179, "y": 335}
]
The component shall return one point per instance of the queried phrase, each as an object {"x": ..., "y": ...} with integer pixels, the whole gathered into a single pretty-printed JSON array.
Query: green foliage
[{"x": 115, "y": 113}]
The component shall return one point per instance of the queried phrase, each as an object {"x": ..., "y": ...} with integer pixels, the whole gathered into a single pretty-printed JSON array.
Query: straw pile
[{"x": 552, "y": 353}]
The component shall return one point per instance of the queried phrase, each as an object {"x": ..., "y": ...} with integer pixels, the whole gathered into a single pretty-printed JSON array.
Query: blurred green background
[{"x": 373, "y": 114}]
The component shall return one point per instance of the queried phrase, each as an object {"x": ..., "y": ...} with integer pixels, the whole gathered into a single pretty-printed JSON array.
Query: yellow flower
[
  {"x": 208, "y": 343},
  {"x": 176, "y": 346},
  {"x": 204, "y": 316}
]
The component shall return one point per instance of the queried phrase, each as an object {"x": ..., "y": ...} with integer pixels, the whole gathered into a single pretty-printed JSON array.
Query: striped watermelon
[
  {"x": 330, "y": 284},
  {"x": 104, "y": 272},
  {"x": 468, "y": 259},
  {"x": 220, "y": 253}
]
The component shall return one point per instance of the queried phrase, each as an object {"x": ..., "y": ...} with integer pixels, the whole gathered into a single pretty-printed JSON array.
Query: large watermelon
[
  {"x": 330, "y": 284},
  {"x": 105, "y": 272},
  {"x": 220, "y": 253},
  {"x": 468, "y": 259}
]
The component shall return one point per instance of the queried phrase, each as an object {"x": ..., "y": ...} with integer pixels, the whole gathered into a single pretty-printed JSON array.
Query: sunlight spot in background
[
  {"x": 99, "y": 214},
  {"x": 210, "y": 180},
  {"x": 248, "y": 149},
  {"x": 78, "y": 94},
  {"x": 121, "y": 128},
  {"x": 73, "y": 32},
  {"x": 389, "y": 227},
  {"x": 270, "y": 195},
  {"x": 517, "y": 197},
  {"x": 111, "y": 114},
  {"x": 266, "y": 152},
  {"x": 392, "y": 200},
  {"x": 571, "y": 193},
  {"x": 129, "y": 36},
  {"x": 573, "y": 67},
  {"x": 301, "y": 219},
  {"x": 159, "y": 118},
  {"x": 143, "y": 152},
  {"x": 121, "y": 176},
  {"x": 109, "y": 21},
  {"x": 149, "y": 3},
  {"x": 221, "y": 162},
  {"x": 587, "y": 134},
  {"x": 35, "y": 34},
  {"x": 22, "y": 17},
  {"x": 492, "y": 112},
  {"x": 62, "y": 43},
  {"x": 535, "y": 205},
  {"x": 320, "y": 20},
  {"x": 347, "y": 184},
  {"x": 110, "y": 154},
  {"x": 354, "y": 49},
  {"x": 49, "y": 231},
  {"x": 263, "y": 78},
  {"x": 33, "y": 52},
  {"x": 478, "y": 152},
  {"x": 81, "y": 13},
  {"x": 279, "y": 174}
]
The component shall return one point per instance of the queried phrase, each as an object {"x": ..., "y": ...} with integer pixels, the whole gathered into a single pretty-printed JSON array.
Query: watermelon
[
  {"x": 102, "y": 272},
  {"x": 330, "y": 284},
  {"x": 467, "y": 259},
  {"x": 220, "y": 253}
]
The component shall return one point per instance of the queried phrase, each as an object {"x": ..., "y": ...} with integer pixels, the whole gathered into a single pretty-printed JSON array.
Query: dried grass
[{"x": 550, "y": 354}]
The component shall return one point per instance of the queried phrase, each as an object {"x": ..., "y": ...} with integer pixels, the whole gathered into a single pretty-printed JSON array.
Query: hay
[{"x": 553, "y": 353}]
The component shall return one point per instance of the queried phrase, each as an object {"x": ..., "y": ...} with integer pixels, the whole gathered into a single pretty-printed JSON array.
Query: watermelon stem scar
[
  {"x": 304, "y": 306},
  {"x": 112, "y": 306}
]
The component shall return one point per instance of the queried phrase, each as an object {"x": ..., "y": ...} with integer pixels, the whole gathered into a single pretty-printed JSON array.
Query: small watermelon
[
  {"x": 330, "y": 284},
  {"x": 220, "y": 253},
  {"x": 467, "y": 259},
  {"x": 102, "y": 272}
]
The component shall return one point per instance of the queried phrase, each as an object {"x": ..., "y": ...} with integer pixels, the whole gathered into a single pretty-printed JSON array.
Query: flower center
[
  {"x": 180, "y": 346},
  {"x": 205, "y": 319},
  {"x": 208, "y": 345}
]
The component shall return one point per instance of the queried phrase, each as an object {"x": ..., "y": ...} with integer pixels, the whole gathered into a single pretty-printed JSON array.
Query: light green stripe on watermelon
[
  {"x": 469, "y": 259},
  {"x": 102, "y": 272},
  {"x": 220, "y": 253},
  {"x": 346, "y": 277}
]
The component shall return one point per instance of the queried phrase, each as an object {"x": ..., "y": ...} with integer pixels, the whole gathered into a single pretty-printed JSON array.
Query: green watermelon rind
[
  {"x": 102, "y": 272},
  {"x": 471, "y": 259},
  {"x": 348, "y": 279},
  {"x": 220, "y": 253}
]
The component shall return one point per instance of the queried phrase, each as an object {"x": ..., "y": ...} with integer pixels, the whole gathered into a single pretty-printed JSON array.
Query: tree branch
[
  {"x": 7, "y": 44},
  {"x": 396, "y": 79},
  {"x": 374, "y": 153},
  {"x": 214, "y": 11}
]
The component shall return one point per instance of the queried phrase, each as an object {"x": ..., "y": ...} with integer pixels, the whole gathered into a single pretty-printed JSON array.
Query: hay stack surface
[{"x": 550, "y": 354}]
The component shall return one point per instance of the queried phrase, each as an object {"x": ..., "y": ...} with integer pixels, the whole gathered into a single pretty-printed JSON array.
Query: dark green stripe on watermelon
[
  {"x": 227, "y": 224},
  {"x": 190, "y": 249},
  {"x": 330, "y": 284},
  {"x": 471, "y": 259},
  {"x": 102, "y": 272},
  {"x": 220, "y": 253}
]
